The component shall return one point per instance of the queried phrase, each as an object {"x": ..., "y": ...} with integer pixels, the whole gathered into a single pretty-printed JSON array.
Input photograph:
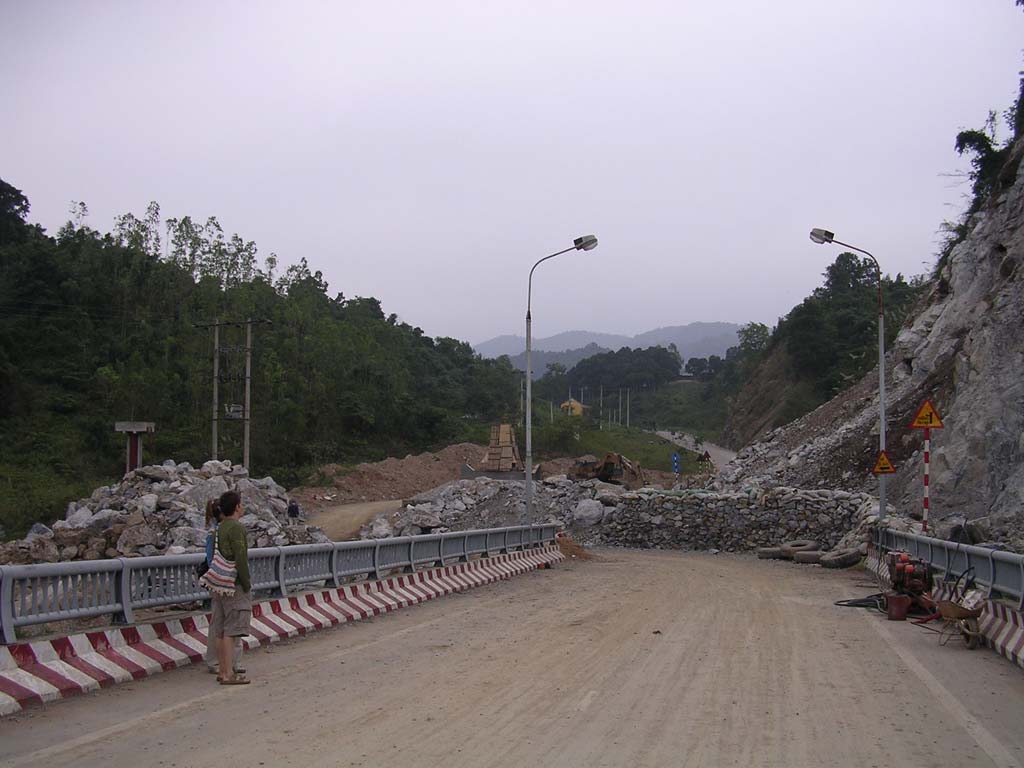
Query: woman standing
[
  {"x": 212, "y": 664},
  {"x": 230, "y": 587}
]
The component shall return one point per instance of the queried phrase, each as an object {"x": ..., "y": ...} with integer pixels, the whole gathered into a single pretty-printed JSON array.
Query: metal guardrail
[
  {"x": 998, "y": 571},
  {"x": 38, "y": 594}
]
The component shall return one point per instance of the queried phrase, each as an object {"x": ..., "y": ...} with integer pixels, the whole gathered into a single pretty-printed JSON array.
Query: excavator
[{"x": 613, "y": 468}]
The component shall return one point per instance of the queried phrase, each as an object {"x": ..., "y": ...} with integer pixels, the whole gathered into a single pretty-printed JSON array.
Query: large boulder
[
  {"x": 202, "y": 492},
  {"x": 214, "y": 467},
  {"x": 381, "y": 528},
  {"x": 42, "y": 550},
  {"x": 588, "y": 512},
  {"x": 188, "y": 538},
  {"x": 78, "y": 518},
  {"x": 135, "y": 537}
]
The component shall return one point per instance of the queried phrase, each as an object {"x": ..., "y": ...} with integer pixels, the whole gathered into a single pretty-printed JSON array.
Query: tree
[
  {"x": 754, "y": 338},
  {"x": 697, "y": 366},
  {"x": 14, "y": 210}
]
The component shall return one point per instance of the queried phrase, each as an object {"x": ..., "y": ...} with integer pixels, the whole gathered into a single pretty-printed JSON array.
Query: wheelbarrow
[{"x": 958, "y": 620}]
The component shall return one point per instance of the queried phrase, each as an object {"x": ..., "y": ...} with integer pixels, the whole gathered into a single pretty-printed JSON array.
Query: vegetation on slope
[{"x": 97, "y": 328}]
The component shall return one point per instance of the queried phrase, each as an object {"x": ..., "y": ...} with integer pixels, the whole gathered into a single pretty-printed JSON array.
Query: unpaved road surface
[
  {"x": 636, "y": 659},
  {"x": 719, "y": 455},
  {"x": 342, "y": 522}
]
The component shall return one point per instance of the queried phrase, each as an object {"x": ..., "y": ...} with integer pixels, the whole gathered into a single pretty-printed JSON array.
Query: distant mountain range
[
  {"x": 568, "y": 358},
  {"x": 693, "y": 340}
]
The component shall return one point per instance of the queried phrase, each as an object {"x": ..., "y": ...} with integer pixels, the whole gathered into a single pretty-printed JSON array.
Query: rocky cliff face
[{"x": 964, "y": 349}]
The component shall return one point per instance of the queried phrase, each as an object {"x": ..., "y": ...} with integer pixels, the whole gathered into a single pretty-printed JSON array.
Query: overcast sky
[{"x": 428, "y": 153}]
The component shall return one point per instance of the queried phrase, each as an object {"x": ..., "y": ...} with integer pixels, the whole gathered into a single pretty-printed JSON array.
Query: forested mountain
[
  {"x": 637, "y": 369},
  {"x": 540, "y": 360},
  {"x": 97, "y": 328},
  {"x": 692, "y": 340},
  {"x": 823, "y": 346}
]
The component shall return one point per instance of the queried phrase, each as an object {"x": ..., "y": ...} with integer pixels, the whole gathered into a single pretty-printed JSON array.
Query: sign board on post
[
  {"x": 883, "y": 466},
  {"x": 927, "y": 418}
]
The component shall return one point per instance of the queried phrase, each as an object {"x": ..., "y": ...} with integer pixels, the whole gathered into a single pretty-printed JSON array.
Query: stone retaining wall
[{"x": 729, "y": 521}]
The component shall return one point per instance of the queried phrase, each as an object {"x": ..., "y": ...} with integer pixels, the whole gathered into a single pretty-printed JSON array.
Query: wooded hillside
[{"x": 96, "y": 328}]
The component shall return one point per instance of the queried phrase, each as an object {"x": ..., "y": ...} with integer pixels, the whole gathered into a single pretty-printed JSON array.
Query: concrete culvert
[
  {"x": 790, "y": 548},
  {"x": 840, "y": 558},
  {"x": 808, "y": 557},
  {"x": 769, "y": 553}
]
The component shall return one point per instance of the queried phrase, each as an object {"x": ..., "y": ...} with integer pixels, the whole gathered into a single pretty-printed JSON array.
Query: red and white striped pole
[{"x": 927, "y": 452}]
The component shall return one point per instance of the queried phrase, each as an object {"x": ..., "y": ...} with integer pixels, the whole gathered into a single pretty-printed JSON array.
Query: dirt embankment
[{"x": 388, "y": 479}]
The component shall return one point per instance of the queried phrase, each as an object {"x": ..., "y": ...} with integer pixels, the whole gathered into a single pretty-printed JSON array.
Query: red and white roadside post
[{"x": 927, "y": 418}]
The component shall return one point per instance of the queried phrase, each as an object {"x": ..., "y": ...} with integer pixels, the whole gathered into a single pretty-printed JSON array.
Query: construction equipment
[
  {"x": 910, "y": 582},
  {"x": 613, "y": 468}
]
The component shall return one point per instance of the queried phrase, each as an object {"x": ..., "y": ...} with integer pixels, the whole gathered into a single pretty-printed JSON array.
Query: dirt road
[
  {"x": 719, "y": 455},
  {"x": 342, "y": 522},
  {"x": 639, "y": 659}
]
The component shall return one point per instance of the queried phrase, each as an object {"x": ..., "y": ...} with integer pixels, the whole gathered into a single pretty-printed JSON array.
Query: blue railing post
[
  {"x": 411, "y": 567},
  {"x": 123, "y": 593},
  {"x": 376, "y": 559},
  {"x": 335, "y": 581},
  {"x": 7, "y": 607},
  {"x": 282, "y": 587}
]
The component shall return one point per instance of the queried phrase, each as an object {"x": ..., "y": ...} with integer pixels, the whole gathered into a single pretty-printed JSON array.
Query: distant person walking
[
  {"x": 293, "y": 511},
  {"x": 230, "y": 587},
  {"x": 212, "y": 663}
]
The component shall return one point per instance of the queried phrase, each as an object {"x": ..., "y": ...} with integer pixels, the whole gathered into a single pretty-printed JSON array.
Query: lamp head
[
  {"x": 585, "y": 243},
  {"x": 822, "y": 236}
]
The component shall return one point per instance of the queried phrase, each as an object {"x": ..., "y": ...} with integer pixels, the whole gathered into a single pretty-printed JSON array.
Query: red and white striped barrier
[
  {"x": 47, "y": 670},
  {"x": 1001, "y": 626}
]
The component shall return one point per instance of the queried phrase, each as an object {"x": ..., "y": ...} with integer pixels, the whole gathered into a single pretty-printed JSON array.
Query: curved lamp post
[
  {"x": 821, "y": 236},
  {"x": 585, "y": 243}
]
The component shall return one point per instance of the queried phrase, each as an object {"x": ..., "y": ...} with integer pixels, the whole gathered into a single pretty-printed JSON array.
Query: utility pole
[
  {"x": 216, "y": 381},
  {"x": 247, "y": 407},
  {"x": 627, "y": 408},
  {"x": 248, "y": 383},
  {"x": 600, "y": 418},
  {"x": 618, "y": 418}
]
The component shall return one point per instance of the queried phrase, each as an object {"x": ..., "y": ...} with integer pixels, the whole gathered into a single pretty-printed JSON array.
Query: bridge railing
[
  {"x": 997, "y": 571},
  {"x": 53, "y": 592}
]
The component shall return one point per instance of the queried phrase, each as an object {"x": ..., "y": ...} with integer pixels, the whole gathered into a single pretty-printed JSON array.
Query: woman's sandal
[{"x": 235, "y": 680}]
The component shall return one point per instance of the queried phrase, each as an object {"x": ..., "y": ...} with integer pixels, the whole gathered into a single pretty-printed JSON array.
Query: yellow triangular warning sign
[
  {"x": 927, "y": 417},
  {"x": 883, "y": 466}
]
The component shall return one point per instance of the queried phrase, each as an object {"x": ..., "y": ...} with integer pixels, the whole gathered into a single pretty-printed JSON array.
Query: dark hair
[
  {"x": 212, "y": 511},
  {"x": 229, "y": 501}
]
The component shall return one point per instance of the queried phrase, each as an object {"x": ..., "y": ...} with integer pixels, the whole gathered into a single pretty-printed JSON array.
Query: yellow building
[{"x": 573, "y": 407}]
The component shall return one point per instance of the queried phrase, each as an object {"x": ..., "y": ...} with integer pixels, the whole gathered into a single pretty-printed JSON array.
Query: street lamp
[
  {"x": 585, "y": 243},
  {"x": 821, "y": 236}
]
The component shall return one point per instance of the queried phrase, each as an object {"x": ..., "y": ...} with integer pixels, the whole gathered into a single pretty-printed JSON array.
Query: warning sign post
[
  {"x": 927, "y": 418},
  {"x": 883, "y": 466}
]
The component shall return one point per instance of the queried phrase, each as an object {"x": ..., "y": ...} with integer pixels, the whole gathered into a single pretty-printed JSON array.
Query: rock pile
[
  {"x": 601, "y": 513},
  {"x": 160, "y": 510},
  {"x": 486, "y": 503}
]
